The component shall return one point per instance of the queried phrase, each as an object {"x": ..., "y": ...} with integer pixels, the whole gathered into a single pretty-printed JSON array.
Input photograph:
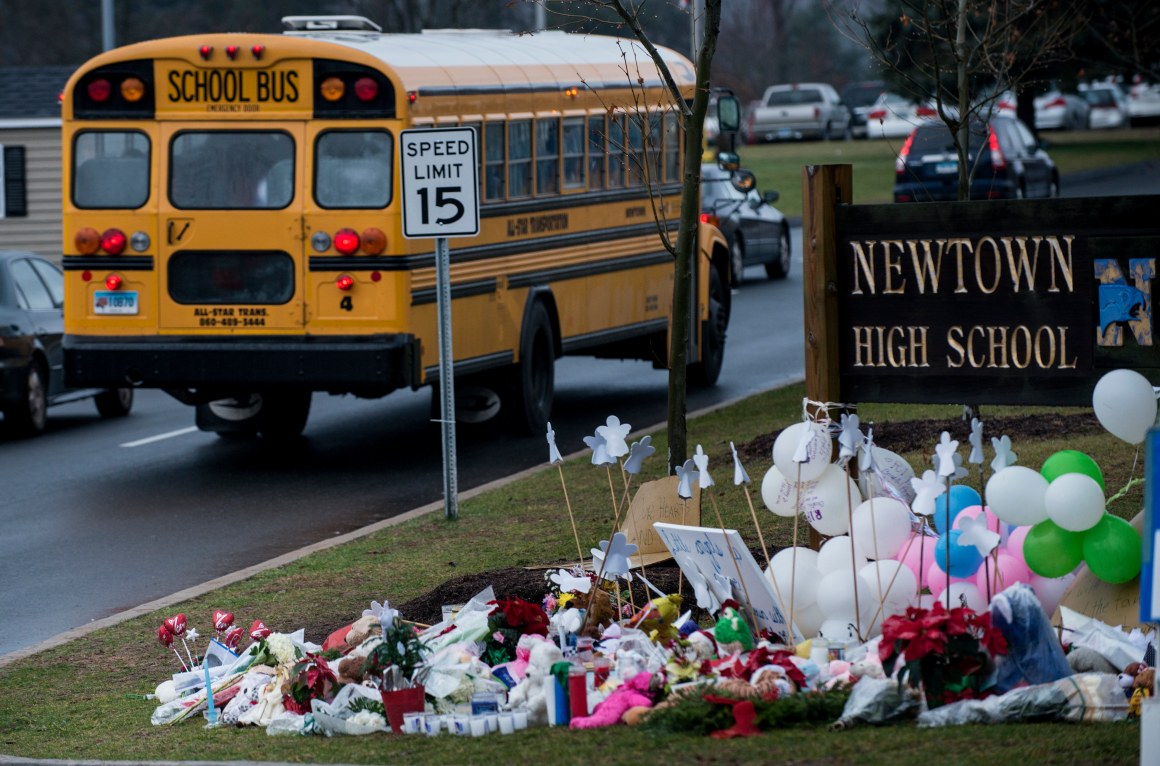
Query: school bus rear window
[{"x": 231, "y": 170}]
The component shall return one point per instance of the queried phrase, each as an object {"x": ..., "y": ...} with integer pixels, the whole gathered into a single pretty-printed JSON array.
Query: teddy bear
[{"x": 531, "y": 693}]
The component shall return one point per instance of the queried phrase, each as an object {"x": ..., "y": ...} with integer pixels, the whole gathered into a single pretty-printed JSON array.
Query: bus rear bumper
[{"x": 372, "y": 365}]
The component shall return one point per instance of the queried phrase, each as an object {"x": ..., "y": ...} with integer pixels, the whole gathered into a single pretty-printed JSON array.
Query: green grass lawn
[
  {"x": 84, "y": 700},
  {"x": 779, "y": 165}
]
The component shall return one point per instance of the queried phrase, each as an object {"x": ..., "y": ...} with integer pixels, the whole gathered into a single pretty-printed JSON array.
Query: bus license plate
[{"x": 115, "y": 302}]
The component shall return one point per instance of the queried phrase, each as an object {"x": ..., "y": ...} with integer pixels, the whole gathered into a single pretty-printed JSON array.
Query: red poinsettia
[
  {"x": 948, "y": 652},
  {"x": 310, "y": 678},
  {"x": 522, "y": 615}
]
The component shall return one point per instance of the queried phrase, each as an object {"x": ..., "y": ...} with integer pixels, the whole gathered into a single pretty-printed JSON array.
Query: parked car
[
  {"x": 1007, "y": 163},
  {"x": 1056, "y": 110},
  {"x": 858, "y": 98},
  {"x": 757, "y": 232},
  {"x": 894, "y": 116},
  {"x": 1144, "y": 103},
  {"x": 31, "y": 358},
  {"x": 799, "y": 110},
  {"x": 1108, "y": 106}
]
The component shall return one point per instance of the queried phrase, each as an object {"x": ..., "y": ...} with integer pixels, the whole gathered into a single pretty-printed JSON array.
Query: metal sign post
[{"x": 441, "y": 199}]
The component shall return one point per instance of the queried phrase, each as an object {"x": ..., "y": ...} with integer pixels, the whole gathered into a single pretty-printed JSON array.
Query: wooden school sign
[{"x": 998, "y": 302}]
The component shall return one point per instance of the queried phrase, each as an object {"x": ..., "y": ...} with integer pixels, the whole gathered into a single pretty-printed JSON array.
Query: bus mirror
[
  {"x": 743, "y": 180},
  {"x": 728, "y": 160},
  {"x": 728, "y": 113}
]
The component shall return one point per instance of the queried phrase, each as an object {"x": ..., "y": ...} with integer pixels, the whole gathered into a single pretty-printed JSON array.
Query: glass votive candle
[
  {"x": 412, "y": 723},
  {"x": 492, "y": 722},
  {"x": 520, "y": 719},
  {"x": 478, "y": 726},
  {"x": 460, "y": 724},
  {"x": 507, "y": 723},
  {"x": 432, "y": 724}
]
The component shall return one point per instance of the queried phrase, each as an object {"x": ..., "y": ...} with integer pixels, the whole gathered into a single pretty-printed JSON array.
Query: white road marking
[{"x": 159, "y": 437}]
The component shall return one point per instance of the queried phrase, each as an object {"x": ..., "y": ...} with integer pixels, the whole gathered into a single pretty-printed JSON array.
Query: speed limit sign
[{"x": 440, "y": 188}]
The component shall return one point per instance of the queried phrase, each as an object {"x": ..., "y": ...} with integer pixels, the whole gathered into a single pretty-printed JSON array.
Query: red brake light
[
  {"x": 900, "y": 163},
  {"x": 204, "y": 51},
  {"x": 346, "y": 241},
  {"x": 998, "y": 161},
  {"x": 100, "y": 90},
  {"x": 113, "y": 282},
  {"x": 232, "y": 51},
  {"x": 925, "y": 111},
  {"x": 1056, "y": 102},
  {"x": 113, "y": 241},
  {"x": 257, "y": 50},
  {"x": 710, "y": 218},
  {"x": 365, "y": 89},
  {"x": 344, "y": 282},
  {"x": 877, "y": 114}
]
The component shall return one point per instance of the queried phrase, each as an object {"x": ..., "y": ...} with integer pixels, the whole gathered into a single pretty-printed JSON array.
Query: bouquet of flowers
[
  {"x": 509, "y": 619},
  {"x": 400, "y": 649},
  {"x": 310, "y": 678},
  {"x": 950, "y": 654}
]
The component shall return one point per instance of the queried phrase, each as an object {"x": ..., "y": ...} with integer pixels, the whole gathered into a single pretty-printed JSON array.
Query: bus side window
[
  {"x": 672, "y": 147},
  {"x": 494, "y": 166},
  {"x": 636, "y": 158},
  {"x": 574, "y": 153},
  {"x": 547, "y": 156},
  {"x": 616, "y": 149},
  {"x": 519, "y": 158},
  {"x": 597, "y": 151}
]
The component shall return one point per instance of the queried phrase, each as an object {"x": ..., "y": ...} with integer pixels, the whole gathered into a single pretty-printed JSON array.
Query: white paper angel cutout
[
  {"x": 553, "y": 451},
  {"x": 739, "y": 474},
  {"x": 926, "y": 490},
  {"x": 614, "y": 433},
  {"x": 599, "y": 449},
  {"x": 945, "y": 453},
  {"x": 568, "y": 582},
  {"x": 701, "y": 460},
  {"x": 618, "y": 552},
  {"x": 976, "y": 440},
  {"x": 866, "y": 462},
  {"x": 1004, "y": 457},
  {"x": 801, "y": 453},
  {"x": 685, "y": 475},
  {"x": 704, "y": 587},
  {"x": 850, "y": 438},
  {"x": 976, "y": 533},
  {"x": 637, "y": 454},
  {"x": 383, "y": 611}
]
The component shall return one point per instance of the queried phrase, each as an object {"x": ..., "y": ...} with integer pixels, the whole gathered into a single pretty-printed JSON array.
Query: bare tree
[{"x": 962, "y": 54}]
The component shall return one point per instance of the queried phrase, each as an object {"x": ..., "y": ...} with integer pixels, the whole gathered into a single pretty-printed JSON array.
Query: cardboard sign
[
  {"x": 657, "y": 501},
  {"x": 709, "y": 551}
]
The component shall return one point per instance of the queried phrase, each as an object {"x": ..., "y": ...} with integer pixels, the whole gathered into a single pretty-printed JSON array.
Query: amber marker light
[
  {"x": 87, "y": 241},
  {"x": 332, "y": 88},
  {"x": 374, "y": 242},
  {"x": 132, "y": 90},
  {"x": 344, "y": 282}
]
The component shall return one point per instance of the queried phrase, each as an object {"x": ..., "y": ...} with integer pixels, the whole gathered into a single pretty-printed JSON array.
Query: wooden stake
[{"x": 571, "y": 517}]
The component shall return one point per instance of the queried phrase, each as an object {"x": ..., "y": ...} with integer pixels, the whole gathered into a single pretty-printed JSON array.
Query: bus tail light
[
  {"x": 344, "y": 282},
  {"x": 346, "y": 241},
  {"x": 99, "y": 90},
  {"x": 87, "y": 241},
  {"x": 710, "y": 218},
  {"x": 332, "y": 88},
  {"x": 374, "y": 242},
  {"x": 113, "y": 241},
  {"x": 113, "y": 282},
  {"x": 132, "y": 89},
  {"x": 365, "y": 89},
  {"x": 900, "y": 162}
]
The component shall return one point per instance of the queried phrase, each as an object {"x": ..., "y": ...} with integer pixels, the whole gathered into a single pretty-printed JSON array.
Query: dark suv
[{"x": 1006, "y": 163}]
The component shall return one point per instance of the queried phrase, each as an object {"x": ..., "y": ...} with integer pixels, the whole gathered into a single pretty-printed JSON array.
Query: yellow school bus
[{"x": 233, "y": 231}]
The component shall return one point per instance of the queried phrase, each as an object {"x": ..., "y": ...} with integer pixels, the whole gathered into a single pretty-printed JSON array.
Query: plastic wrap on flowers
[
  {"x": 1082, "y": 697},
  {"x": 877, "y": 701}
]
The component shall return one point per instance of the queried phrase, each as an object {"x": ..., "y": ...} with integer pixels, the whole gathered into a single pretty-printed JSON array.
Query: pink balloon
[
  {"x": 1007, "y": 571},
  {"x": 937, "y": 579},
  {"x": 1050, "y": 590},
  {"x": 973, "y": 511},
  {"x": 918, "y": 557}
]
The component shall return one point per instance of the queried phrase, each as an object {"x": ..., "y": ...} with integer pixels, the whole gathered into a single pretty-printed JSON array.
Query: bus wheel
[
  {"x": 114, "y": 403},
  {"x": 230, "y": 418},
  {"x": 708, "y": 369},
  {"x": 284, "y": 414},
  {"x": 528, "y": 398}
]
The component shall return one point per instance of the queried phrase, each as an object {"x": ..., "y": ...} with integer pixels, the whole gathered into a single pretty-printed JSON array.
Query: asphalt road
[{"x": 101, "y": 516}]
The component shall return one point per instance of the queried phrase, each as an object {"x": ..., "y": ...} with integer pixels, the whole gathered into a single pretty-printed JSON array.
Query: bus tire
[
  {"x": 528, "y": 396},
  {"x": 29, "y": 415},
  {"x": 705, "y": 372},
  {"x": 284, "y": 414},
  {"x": 114, "y": 403}
]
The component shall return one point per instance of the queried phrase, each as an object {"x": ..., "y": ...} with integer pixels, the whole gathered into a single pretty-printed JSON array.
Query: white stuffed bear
[{"x": 531, "y": 693}]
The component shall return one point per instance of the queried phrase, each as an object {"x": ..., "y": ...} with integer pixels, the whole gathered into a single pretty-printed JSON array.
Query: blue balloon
[
  {"x": 961, "y": 496},
  {"x": 965, "y": 560}
]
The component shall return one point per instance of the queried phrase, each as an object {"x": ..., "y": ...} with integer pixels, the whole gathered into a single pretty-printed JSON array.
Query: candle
[
  {"x": 478, "y": 726},
  {"x": 507, "y": 723},
  {"x": 577, "y": 691}
]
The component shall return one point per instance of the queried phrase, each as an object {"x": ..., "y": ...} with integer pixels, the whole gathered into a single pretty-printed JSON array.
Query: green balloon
[
  {"x": 1113, "y": 549},
  {"x": 1071, "y": 461},
  {"x": 1052, "y": 551}
]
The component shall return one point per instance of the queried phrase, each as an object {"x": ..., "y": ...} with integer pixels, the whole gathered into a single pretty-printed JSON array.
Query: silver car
[{"x": 795, "y": 111}]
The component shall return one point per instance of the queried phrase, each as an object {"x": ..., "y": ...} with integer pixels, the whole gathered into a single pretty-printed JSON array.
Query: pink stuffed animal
[{"x": 633, "y": 693}]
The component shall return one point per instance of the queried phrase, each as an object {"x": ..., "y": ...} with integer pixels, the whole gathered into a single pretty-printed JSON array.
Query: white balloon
[
  {"x": 781, "y": 495},
  {"x": 892, "y": 478},
  {"x": 960, "y": 592},
  {"x": 838, "y": 629},
  {"x": 828, "y": 506},
  {"x": 1016, "y": 495},
  {"x": 837, "y": 598},
  {"x": 818, "y": 452},
  {"x": 881, "y": 527},
  {"x": 808, "y": 619},
  {"x": 801, "y": 588},
  {"x": 1074, "y": 501},
  {"x": 1125, "y": 405},
  {"x": 837, "y": 553},
  {"x": 899, "y": 586}
]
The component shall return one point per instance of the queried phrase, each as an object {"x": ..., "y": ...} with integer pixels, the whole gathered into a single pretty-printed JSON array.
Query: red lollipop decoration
[
  {"x": 233, "y": 637},
  {"x": 222, "y": 620},
  {"x": 164, "y": 636},
  {"x": 258, "y": 630},
  {"x": 176, "y": 624}
]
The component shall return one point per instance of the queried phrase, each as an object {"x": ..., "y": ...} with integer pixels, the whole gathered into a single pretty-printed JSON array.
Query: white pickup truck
[{"x": 800, "y": 110}]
